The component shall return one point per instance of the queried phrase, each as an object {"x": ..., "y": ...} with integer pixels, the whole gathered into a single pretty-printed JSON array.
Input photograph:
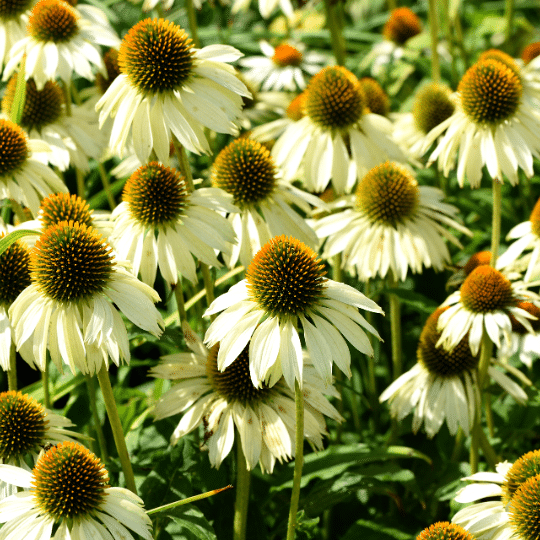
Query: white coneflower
[
  {"x": 228, "y": 402},
  {"x": 390, "y": 224},
  {"x": 443, "y": 530},
  {"x": 336, "y": 140},
  {"x": 441, "y": 386},
  {"x": 526, "y": 237},
  {"x": 25, "y": 428},
  {"x": 59, "y": 43},
  {"x": 496, "y": 123},
  {"x": 486, "y": 301},
  {"x": 283, "y": 67},
  {"x": 509, "y": 511},
  {"x": 284, "y": 291},
  {"x": 22, "y": 177},
  {"x": 13, "y": 21},
  {"x": 68, "y": 490},
  {"x": 68, "y": 308},
  {"x": 433, "y": 104},
  {"x": 168, "y": 88},
  {"x": 161, "y": 224},
  {"x": 14, "y": 278},
  {"x": 73, "y": 139},
  {"x": 246, "y": 170}
]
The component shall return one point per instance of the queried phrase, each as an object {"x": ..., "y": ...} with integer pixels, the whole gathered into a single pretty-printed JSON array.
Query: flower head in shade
[
  {"x": 73, "y": 138},
  {"x": 283, "y": 67},
  {"x": 337, "y": 139},
  {"x": 526, "y": 238},
  {"x": 377, "y": 100},
  {"x": 486, "y": 300},
  {"x": 285, "y": 290},
  {"x": 68, "y": 308},
  {"x": 68, "y": 488},
  {"x": 496, "y": 123},
  {"x": 530, "y": 52},
  {"x": 443, "y": 530},
  {"x": 65, "y": 38},
  {"x": 432, "y": 105},
  {"x": 14, "y": 278},
  {"x": 441, "y": 386},
  {"x": 245, "y": 169},
  {"x": 391, "y": 224},
  {"x": 22, "y": 177},
  {"x": 168, "y": 88},
  {"x": 25, "y": 427},
  {"x": 507, "y": 510},
  {"x": 402, "y": 25},
  {"x": 227, "y": 401},
  {"x": 13, "y": 21},
  {"x": 161, "y": 224}
]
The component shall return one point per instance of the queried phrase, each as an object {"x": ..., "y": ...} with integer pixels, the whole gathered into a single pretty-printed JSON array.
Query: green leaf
[
  {"x": 415, "y": 300},
  {"x": 335, "y": 460},
  {"x": 190, "y": 524},
  {"x": 17, "y": 107},
  {"x": 13, "y": 236},
  {"x": 367, "y": 530}
]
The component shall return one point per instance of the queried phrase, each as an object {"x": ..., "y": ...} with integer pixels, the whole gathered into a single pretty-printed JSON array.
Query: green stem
[
  {"x": 81, "y": 189},
  {"x": 336, "y": 35},
  {"x": 192, "y": 19},
  {"x": 486, "y": 351},
  {"x": 241, "y": 503},
  {"x": 460, "y": 42},
  {"x": 12, "y": 371},
  {"x": 395, "y": 327},
  {"x": 496, "y": 222},
  {"x": 106, "y": 185},
  {"x": 184, "y": 163},
  {"x": 509, "y": 17},
  {"x": 298, "y": 460},
  {"x": 189, "y": 500},
  {"x": 179, "y": 295},
  {"x": 208, "y": 284},
  {"x": 458, "y": 443},
  {"x": 489, "y": 452},
  {"x": 434, "y": 32},
  {"x": 45, "y": 383},
  {"x": 116, "y": 426},
  {"x": 392, "y": 4},
  {"x": 91, "y": 387}
]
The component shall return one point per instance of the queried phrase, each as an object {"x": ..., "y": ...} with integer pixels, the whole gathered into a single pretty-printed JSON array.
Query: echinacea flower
[
  {"x": 14, "y": 278},
  {"x": 162, "y": 224},
  {"x": 25, "y": 428},
  {"x": 496, "y": 123},
  {"x": 73, "y": 138},
  {"x": 283, "y": 67},
  {"x": 284, "y": 291},
  {"x": 68, "y": 308},
  {"x": 13, "y": 21},
  {"x": 402, "y": 25},
  {"x": 441, "y": 385},
  {"x": 524, "y": 344},
  {"x": 228, "y": 402},
  {"x": 486, "y": 302},
  {"x": 530, "y": 52},
  {"x": 391, "y": 224},
  {"x": 336, "y": 140},
  {"x": 60, "y": 42},
  {"x": 432, "y": 105},
  {"x": 167, "y": 87},
  {"x": 68, "y": 488},
  {"x": 377, "y": 100},
  {"x": 502, "y": 515},
  {"x": 443, "y": 530},
  {"x": 527, "y": 237},
  {"x": 59, "y": 207},
  {"x": 246, "y": 170},
  {"x": 22, "y": 177}
]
